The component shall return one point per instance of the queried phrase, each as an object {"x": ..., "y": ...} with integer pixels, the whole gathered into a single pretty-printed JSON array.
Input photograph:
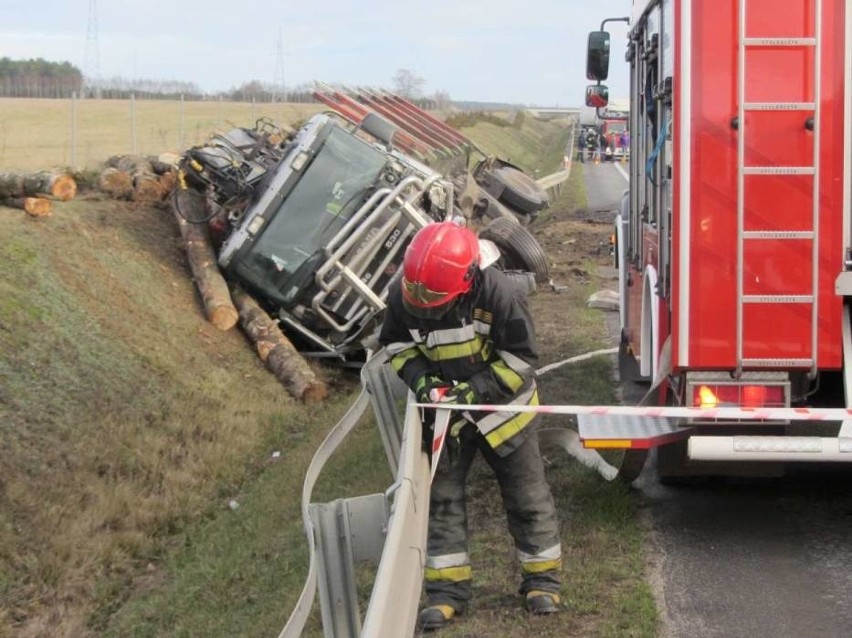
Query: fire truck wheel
[
  {"x": 519, "y": 248},
  {"x": 520, "y": 190}
]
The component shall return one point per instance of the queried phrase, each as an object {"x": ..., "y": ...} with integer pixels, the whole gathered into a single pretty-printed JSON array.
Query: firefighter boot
[
  {"x": 540, "y": 602},
  {"x": 435, "y": 617}
]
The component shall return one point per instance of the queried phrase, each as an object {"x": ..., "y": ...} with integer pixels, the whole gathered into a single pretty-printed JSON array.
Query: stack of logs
[
  {"x": 224, "y": 306},
  {"x": 140, "y": 179},
  {"x": 30, "y": 192}
]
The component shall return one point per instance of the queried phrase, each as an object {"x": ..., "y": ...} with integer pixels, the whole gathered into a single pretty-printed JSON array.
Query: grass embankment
[
  {"x": 37, "y": 134},
  {"x": 129, "y": 425}
]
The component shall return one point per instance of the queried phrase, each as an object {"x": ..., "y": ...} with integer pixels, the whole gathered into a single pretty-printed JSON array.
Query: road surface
[{"x": 736, "y": 557}]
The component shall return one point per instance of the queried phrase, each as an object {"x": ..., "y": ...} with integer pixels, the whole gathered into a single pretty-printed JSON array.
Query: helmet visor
[{"x": 428, "y": 312}]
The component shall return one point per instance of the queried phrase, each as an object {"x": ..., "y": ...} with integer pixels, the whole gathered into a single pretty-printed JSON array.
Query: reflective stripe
[
  {"x": 509, "y": 378},
  {"x": 509, "y": 429},
  {"x": 454, "y": 574},
  {"x": 450, "y": 335},
  {"x": 538, "y": 567},
  {"x": 549, "y": 554},
  {"x": 398, "y": 346},
  {"x": 482, "y": 327},
  {"x": 448, "y": 560},
  {"x": 398, "y": 361},
  {"x": 516, "y": 363},
  {"x": 455, "y": 351},
  {"x": 495, "y": 419}
]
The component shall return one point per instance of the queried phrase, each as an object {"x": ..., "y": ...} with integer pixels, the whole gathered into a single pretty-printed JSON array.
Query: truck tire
[
  {"x": 520, "y": 190},
  {"x": 519, "y": 248}
]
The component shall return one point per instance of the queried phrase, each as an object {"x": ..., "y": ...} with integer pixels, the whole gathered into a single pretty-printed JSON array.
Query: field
[
  {"x": 37, "y": 134},
  {"x": 139, "y": 490}
]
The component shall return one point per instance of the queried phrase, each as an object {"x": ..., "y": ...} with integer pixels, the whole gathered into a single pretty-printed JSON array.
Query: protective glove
[
  {"x": 461, "y": 393},
  {"x": 424, "y": 386}
]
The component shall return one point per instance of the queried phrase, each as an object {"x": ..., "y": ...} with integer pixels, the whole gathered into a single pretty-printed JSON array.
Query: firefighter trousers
[{"x": 530, "y": 513}]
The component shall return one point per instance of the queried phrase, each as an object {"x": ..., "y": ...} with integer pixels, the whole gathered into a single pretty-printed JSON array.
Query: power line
[
  {"x": 91, "y": 60},
  {"x": 278, "y": 87}
]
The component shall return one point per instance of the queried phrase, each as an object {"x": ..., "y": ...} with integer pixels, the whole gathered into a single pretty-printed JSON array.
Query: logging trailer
[
  {"x": 314, "y": 223},
  {"x": 733, "y": 239}
]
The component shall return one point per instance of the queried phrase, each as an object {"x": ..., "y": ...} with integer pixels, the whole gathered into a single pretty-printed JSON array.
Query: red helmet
[{"x": 440, "y": 264}]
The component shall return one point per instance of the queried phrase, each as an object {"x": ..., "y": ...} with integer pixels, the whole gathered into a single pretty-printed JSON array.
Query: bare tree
[
  {"x": 441, "y": 100},
  {"x": 408, "y": 84}
]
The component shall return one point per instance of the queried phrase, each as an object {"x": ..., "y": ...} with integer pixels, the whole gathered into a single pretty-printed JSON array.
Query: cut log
[
  {"x": 116, "y": 183},
  {"x": 164, "y": 163},
  {"x": 208, "y": 278},
  {"x": 55, "y": 184},
  {"x": 146, "y": 183},
  {"x": 277, "y": 351},
  {"x": 34, "y": 206}
]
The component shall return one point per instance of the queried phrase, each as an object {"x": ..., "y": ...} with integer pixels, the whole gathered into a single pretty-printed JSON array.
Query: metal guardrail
[
  {"x": 554, "y": 181},
  {"x": 391, "y": 525}
]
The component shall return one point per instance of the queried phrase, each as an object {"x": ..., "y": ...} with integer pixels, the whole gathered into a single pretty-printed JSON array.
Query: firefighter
[{"x": 455, "y": 329}]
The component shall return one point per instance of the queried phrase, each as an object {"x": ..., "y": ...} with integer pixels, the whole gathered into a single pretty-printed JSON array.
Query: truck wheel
[
  {"x": 520, "y": 190},
  {"x": 519, "y": 248}
]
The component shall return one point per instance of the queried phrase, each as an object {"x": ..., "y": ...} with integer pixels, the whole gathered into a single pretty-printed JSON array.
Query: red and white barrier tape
[{"x": 750, "y": 414}]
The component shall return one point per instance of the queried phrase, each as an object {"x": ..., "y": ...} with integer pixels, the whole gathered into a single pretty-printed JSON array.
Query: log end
[
  {"x": 149, "y": 190},
  {"x": 224, "y": 317},
  {"x": 64, "y": 188},
  {"x": 38, "y": 206},
  {"x": 116, "y": 183},
  {"x": 314, "y": 393}
]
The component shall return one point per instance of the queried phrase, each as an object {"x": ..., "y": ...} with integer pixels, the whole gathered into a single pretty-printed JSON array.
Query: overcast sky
[{"x": 529, "y": 51}]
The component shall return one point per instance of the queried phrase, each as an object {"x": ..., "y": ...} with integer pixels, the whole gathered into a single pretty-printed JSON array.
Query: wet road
[{"x": 743, "y": 557}]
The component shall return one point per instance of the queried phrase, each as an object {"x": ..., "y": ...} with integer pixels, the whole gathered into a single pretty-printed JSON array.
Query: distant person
[
  {"x": 598, "y": 142},
  {"x": 465, "y": 333}
]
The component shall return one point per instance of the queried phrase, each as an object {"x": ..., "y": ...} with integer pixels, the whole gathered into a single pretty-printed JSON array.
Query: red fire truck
[{"x": 733, "y": 240}]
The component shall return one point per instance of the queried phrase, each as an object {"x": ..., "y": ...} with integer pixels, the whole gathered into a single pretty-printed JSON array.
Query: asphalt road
[{"x": 743, "y": 557}]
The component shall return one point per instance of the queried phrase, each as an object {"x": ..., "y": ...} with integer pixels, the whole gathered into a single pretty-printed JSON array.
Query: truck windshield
[{"x": 332, "y": 188}]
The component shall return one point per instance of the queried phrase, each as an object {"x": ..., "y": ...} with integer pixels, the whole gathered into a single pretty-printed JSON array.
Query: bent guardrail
[{"x": 389, "y": 527}]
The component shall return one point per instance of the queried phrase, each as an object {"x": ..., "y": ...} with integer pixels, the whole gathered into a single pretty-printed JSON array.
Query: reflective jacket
[{"x": 487, "y": 339}]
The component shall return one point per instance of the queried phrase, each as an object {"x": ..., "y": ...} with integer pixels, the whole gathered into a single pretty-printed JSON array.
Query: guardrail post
[{"x": 348, "y": 531}]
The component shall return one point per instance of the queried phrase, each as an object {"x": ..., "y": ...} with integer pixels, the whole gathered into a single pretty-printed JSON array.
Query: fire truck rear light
[
  {"x": 732, "y": 394},
  {"x": 705, "y": 397}
]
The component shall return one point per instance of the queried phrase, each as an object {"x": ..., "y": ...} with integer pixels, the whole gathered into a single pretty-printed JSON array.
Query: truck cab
[{"x": 314, "y": 223}]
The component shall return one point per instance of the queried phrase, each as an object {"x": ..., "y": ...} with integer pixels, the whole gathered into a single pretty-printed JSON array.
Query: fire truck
[{"x": 733, "y": 239}]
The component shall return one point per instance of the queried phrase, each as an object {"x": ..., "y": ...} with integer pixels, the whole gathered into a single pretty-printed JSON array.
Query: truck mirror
[
  {"x": 597, "y": 95},
  {"x": 597, "y": 56}
]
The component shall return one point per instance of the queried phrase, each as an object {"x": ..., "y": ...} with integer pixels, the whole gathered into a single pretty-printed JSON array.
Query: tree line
[{"x": 40, "y": 78}]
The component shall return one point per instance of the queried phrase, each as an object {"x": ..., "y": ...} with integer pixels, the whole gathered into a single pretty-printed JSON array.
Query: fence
[{"x": 81, "y": 133}]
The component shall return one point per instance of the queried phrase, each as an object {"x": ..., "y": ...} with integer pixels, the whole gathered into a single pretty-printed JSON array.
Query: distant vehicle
[
  {"x": 612, "y": 131},
  {"x": 315, "y": 223},
  {"x": 733, "y": 240}
]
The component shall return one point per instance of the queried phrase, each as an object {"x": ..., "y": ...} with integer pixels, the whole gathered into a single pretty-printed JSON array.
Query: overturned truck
[{"x": 314, "y": 222}]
